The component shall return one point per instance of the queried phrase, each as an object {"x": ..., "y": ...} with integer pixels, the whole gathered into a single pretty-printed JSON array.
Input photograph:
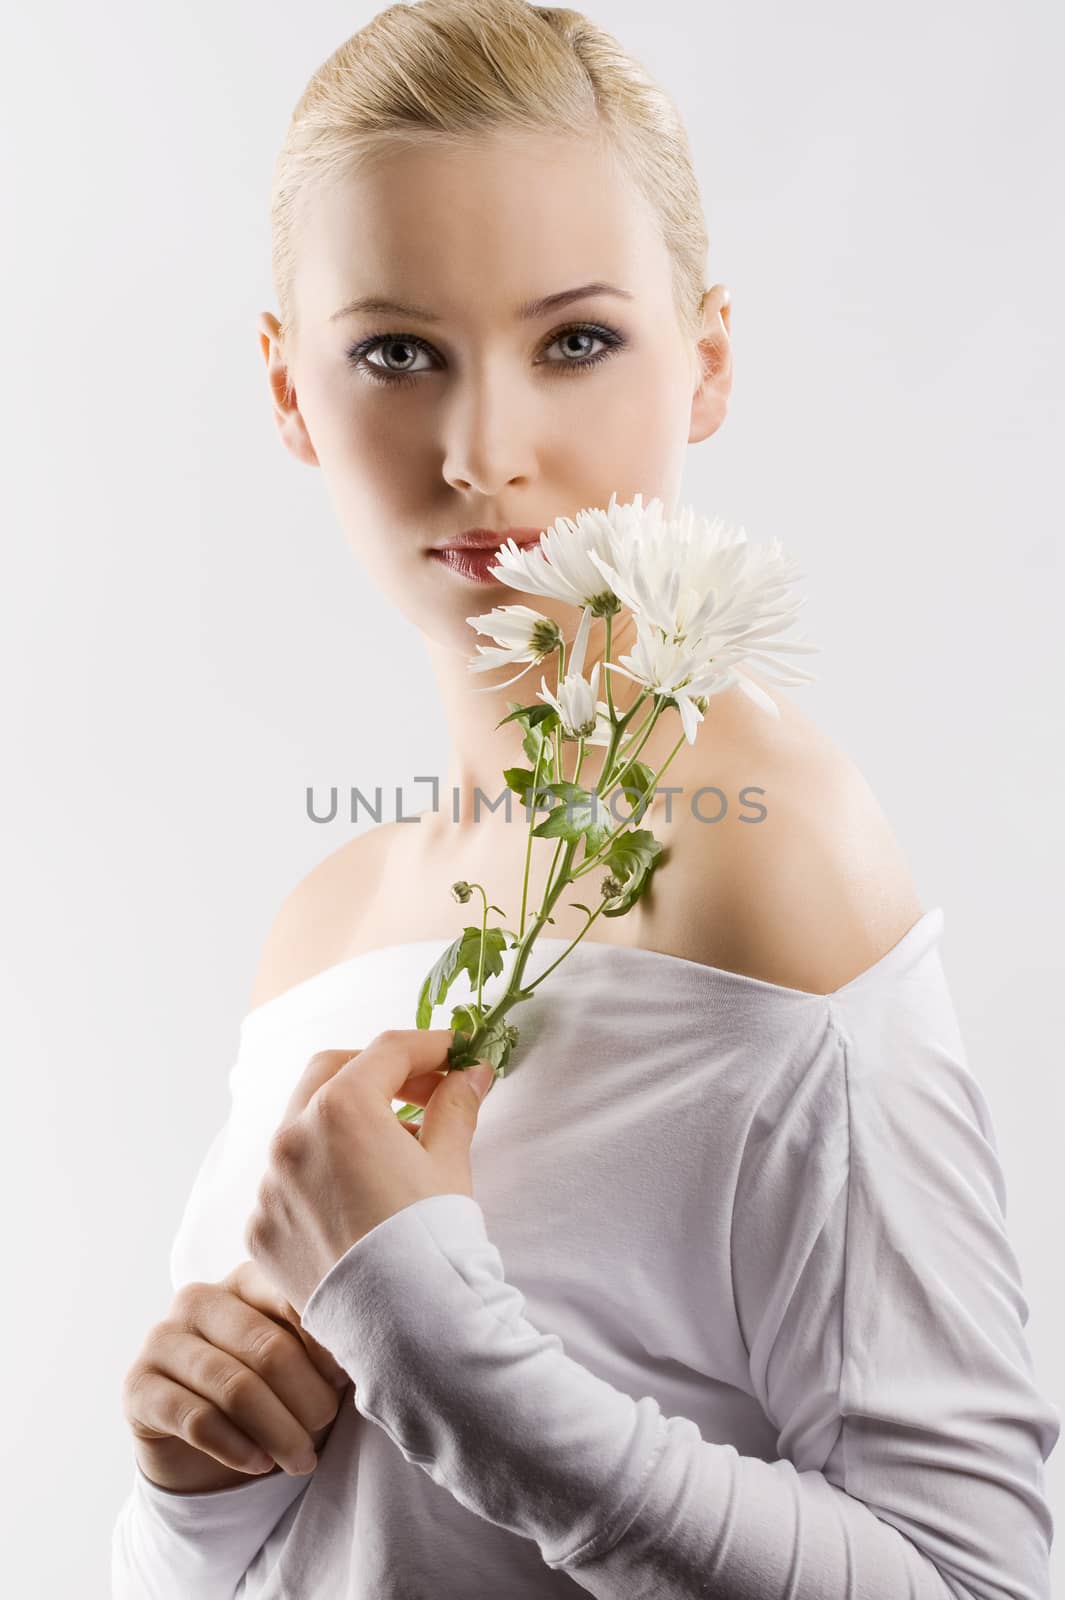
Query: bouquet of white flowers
[{"x": 703, "y": 600}]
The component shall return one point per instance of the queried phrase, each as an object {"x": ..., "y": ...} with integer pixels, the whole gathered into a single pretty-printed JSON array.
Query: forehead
[{"x": 473, "y": 229}]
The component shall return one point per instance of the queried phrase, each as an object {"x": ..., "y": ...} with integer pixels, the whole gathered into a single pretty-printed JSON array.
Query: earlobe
[
  {"x": 294, "y": 435},
  {"x": 714, "y": 366}
]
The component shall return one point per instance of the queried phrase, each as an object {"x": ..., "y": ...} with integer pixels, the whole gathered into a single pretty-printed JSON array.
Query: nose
[{"x": 490, "y": 440}]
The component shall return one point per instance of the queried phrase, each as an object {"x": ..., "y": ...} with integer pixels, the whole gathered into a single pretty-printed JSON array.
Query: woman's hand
[
  {"x": 340, "y": 1162},
  {"x": 228, "y": 1374}
]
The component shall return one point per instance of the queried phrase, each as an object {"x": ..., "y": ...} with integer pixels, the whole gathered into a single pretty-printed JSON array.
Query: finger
[
  {"x": 250, "y": 1282},
  {"x": 322, "y": 1066},
  {"x": 158, "y": 1407},
  {"x": 450, "y": 1120},
  {"x": 274, "y": 1351},
  {"x": 418, "y": 1090},
  {"x": 281, "y": 1353},
  {"x": 244, "y": 1398},
  {"x": 396, "y": 1055},
  {"x": 324, "y": 1360}
]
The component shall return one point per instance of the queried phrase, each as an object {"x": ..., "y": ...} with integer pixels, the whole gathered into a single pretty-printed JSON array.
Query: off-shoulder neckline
[{"x": 320, "y": 985}]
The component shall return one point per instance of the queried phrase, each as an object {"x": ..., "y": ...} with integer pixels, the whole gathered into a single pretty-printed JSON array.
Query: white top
[{"x": 734, "y": 1310}]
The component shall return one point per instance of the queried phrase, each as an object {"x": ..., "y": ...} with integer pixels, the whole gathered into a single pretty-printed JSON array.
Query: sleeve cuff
[
  {"x": 220, "y": 1511},
  {"x": 420, "y": 1315}
]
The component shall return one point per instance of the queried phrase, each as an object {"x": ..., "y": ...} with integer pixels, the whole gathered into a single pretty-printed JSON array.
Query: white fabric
[{"x": 734, "y": 1312}]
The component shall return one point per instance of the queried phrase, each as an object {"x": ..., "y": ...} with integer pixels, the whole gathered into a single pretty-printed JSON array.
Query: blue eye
[{"x": 358, "y": 354}]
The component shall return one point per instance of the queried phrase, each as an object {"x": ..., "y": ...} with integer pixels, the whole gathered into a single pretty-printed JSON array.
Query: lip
[
  {"x": 471, "y": 563},
  {"x": 488, "y": 539}
]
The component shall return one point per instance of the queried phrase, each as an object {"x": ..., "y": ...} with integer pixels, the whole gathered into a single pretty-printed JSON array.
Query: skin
[
  {"x": 340, "y": 1164},
  {"x": 491, "y": 431}
]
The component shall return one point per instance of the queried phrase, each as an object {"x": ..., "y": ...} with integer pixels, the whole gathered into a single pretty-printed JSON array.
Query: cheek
[
  {"x": 639, "y": 424},
  {"x": 368, "y": 453}
]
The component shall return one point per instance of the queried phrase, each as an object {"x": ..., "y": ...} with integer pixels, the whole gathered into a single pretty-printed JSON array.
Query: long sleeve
[
  {"x": 171, "y": 1546},
  {"x": 881, "y": 1308}
]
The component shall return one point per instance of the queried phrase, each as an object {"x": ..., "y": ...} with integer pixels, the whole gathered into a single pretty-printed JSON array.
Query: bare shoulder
[
  {"x": 313, "y": 925},
  {"x": 816, "y": 888}
]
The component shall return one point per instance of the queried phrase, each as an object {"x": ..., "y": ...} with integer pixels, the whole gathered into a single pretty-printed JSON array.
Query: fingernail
[
  {"x": 304, "y": 1464},
  {"x": 481, "y": 1076}
]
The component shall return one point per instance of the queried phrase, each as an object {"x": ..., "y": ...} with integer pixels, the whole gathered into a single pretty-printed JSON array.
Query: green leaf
[
  {"x": 461, "y": 955},
  {"x": 465, "y": 1018},
  {"x": 631, "y": 859},
  {"x": 495, "y": 1045},
  {"x": 529, "y": 716},
  {"x": 562, "y": 790},
  {"x": 519, "y": 779},
  {"x": 581, "y": 815},
  {"x": 538, "y": 741},
  {"x": 578, "y": 907},
  {"x": 639, "y": 782}
]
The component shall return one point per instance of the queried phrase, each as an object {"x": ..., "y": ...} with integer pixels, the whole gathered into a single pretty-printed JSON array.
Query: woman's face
[{"x": 472, "y": 414}]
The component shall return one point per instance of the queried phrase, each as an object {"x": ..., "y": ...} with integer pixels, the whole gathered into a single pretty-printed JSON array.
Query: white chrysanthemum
[
  {"x": 693, "y": 583},
  {"x": 575, "y": 702},
  {"x": 523, "y": 635},
  {"x": 671, "y": 667},
  {"x": 603, "y": 725},
  {"x": 694, "y": 578},
  {"x": 561, "y": 566}
]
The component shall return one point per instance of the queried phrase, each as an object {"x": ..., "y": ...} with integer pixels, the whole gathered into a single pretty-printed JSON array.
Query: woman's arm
[
  {"x": 168, "y": 1545},
  {"x": 882, "y": 1312},
  {"x": 171, "y": 1546}
]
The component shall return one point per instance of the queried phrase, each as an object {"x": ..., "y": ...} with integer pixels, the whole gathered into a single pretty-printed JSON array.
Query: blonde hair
[{"x": 444, "y": 69}]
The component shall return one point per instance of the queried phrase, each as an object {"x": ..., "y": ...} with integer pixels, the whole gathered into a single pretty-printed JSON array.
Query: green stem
[
  {"x": 609, "y": 675},
  {"x": 537, "y": 981},
  {"x": 594, "y": 861},
  {"x": 529, "y": 840},
  {"x": 566, "y": 876},
  {"x": 638, "y": 740},
  {"x": 480, "y": 954}
]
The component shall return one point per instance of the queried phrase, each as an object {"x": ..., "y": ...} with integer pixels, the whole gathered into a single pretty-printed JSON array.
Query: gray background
[{"x": 187, "y": 642}]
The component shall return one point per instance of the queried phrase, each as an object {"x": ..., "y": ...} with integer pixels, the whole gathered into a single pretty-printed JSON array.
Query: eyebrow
[{"x": 375, "y": 305}]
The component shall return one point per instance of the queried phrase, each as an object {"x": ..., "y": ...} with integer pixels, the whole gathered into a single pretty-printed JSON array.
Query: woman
[{"x": 768, "y": 1338}]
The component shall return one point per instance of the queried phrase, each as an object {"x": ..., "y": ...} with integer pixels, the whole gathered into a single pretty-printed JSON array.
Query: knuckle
[
  {"x": 391, "y": 1039},
  {"x": 256, "y": 1238},
  {"x": 236, "y": 1386},
  {"x": 194, "y": 1422},
  {"x": 325, "y": 1057},
  {"x": 189, "y": 1300},
  {"x": 157, "y": 1334},
  {"x": 327, "y": 1105},
  {"x": 241, "y": 1278},
  {"x": 133, "y": 1387},
  {"x": 269, "y": 1349},
  {"x": 282, "y": 1145}
]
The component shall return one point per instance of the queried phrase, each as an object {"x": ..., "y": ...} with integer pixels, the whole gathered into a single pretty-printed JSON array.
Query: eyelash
[{"x": 357, "y": 353}]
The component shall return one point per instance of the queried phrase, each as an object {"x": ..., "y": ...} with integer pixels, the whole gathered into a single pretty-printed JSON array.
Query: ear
[
  {"x": 713, "y": 380},
  {"x": 290, "y": 423}
]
